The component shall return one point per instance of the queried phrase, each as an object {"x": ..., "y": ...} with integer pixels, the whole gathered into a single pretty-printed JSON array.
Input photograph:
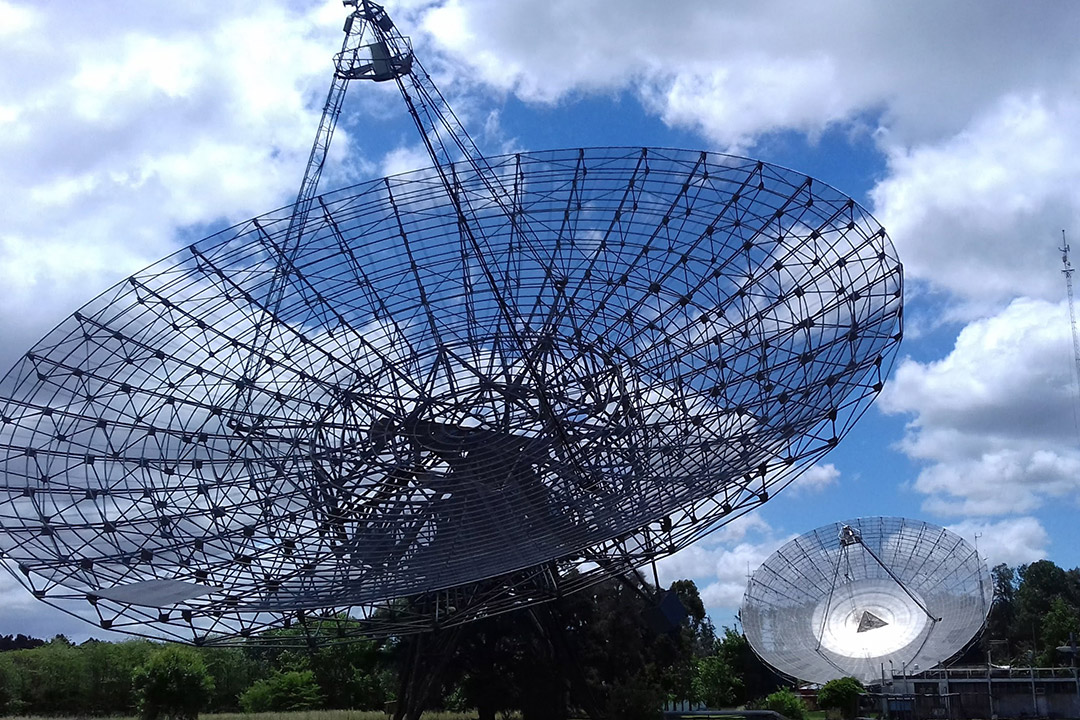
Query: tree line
[
  {"x": 607, "y": 660},
  {"x": 1036, "y": 610}
]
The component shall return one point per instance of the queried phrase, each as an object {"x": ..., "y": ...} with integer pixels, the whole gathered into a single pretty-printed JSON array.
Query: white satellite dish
[{"x": 866, "y": 598}]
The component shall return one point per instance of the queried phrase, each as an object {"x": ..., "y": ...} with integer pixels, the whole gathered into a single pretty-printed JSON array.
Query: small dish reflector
[{"x": 865, "y": 598}]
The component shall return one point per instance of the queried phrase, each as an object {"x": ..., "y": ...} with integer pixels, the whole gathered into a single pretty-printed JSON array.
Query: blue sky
[{"x": 129, "y": 129}]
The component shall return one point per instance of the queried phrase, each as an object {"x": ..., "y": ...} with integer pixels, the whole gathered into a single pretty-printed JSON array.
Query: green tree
[
  {"x": 786, "y": 703},
  {"x": 599, "y": 651},
  {"x": 1032, "y": 613},
  {"x": 56, "y": 681},
  {"x": 1059, "y": 622},
  {"x": 698, "y": 627},
  {"x": 716, "y": 683},
  {"x": 841, "y": 694},
  {"x": 283, "y": 692},
  {"x": 10, "y": 686},
  {"x": 233, "y": 671},
  {"x": 1000, "y": 625},
  {"x": 1039, "y": 583},
  {"x": 110, "y": 668},
  {"x": 257, "y": 698},
  {"x": 677, "y": 653},
  {"x": 758, "y": 680},
  {"x": 627, "y": 662},
  {"x": 490, "y": 662},
  {"x": 637, "y": 697},
  {"x": 1072, "y": 586},
  {"x": 172, "y": 684},
  {"x": 350, "y": 674}
]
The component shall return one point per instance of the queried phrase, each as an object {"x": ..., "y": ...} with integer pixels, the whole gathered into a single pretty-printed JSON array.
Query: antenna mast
[{"x": 1068, "y": 271}]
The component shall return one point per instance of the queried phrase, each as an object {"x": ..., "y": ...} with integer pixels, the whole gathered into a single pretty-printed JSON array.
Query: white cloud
[
  {"x": 734, "y": 72},
  {"x": 731, "y": 572},
  {"x": 726, "y": 104},
  {"x": 737, "y": 530},
  {"x": 721, "y": 563},
  {"x": 1012, "y": 541},
  {"x": 404, "y": 159},
  {"x": 978, "y": 131},
  {"x": 994, "y": 421},
  {"x": 979, "y": 214},
  {"x": 15, "y": 19},
  {"x": 117, "y": 139},
  {"x": 815, "y": 480}
]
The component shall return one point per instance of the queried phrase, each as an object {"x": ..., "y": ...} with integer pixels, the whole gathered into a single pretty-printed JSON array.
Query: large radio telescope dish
[
  {"x": 456, "y": 384},
  {"x": 872, "y": 595}
]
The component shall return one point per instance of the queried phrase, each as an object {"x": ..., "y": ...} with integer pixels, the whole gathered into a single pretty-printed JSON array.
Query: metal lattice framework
[
  {"x": 866, "y": 598},
  {"x": 444, "y": 394}
]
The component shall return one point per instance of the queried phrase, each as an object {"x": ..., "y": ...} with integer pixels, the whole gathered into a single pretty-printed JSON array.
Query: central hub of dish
[
  {"x": 510, "y": 437},
  {"x": 868, "y": 617},
  {"x": 480, "y": 408}
]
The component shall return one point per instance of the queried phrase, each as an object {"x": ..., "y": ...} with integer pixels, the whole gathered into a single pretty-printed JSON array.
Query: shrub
[
  {"x": 786, "y": 703},
  {"x": 715, "y": 683},
  {"x": 634, "y": 699},
  {"x": 283, "y": 692},
  {"x": 841, "y": 694},
  {"x": 256, "y": 699},
  {"x": 172, "y": 684}
]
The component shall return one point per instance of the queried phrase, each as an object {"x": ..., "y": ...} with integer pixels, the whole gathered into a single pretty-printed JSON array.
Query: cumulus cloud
[
  {"x": 1012, "y": 541},
  {"x": 978, "y": 214},
  {"x": 404, "y": 159},
  {"x": 131, "y": 130},
  {"x": 815, "y": 480},
  {"x": 15, "y": 19},
  {"x": 721, "y": 563},
  {"x": 735, "y": 72},
  {"x": 977, "y": 130},
  {"x": 994, "y": 421}
]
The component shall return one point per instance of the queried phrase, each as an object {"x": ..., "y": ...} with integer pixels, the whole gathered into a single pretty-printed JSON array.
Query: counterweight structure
[
  {"x": 441, "y": 395},
  {"x": 869, "y": 598}
]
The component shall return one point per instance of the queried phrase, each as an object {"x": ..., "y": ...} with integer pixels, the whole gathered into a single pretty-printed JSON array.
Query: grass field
[
  {"x": 308, "y": 715},
  {"x": 333, "y": 715},
  {"x": 312, "y": 715},
  {"x": 326, "y": 715},
  {"x": 329, "y": 715}
]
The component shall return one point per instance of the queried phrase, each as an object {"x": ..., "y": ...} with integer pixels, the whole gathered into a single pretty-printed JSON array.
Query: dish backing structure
[
  {"x": 441, "y": 395},
  {"x": 867, "y": 598}
]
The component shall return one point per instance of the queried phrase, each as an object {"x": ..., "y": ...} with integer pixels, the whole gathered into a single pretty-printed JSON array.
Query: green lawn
[{"x": 310, "y": 715}]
